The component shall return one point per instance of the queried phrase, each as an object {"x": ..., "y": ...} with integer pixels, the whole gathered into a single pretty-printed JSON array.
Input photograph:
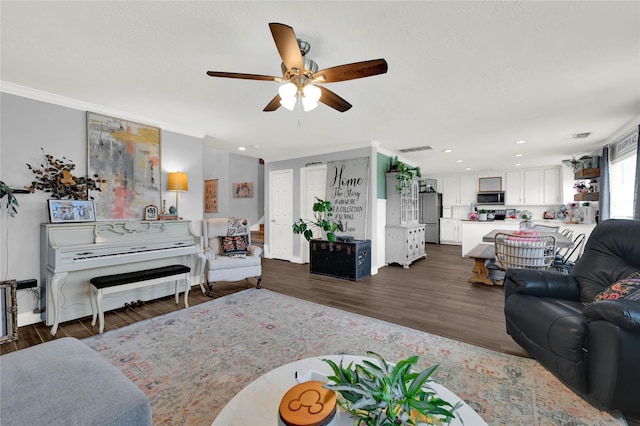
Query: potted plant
[
  {"x": 405, "y": 176},
  {"x": 12, "y": 201},
  {"x": 322, "y": 219},
  {"x": 384, "y": 394},
  {"x": 55, "y": 176},
  {"x": 482, "y": 214}
]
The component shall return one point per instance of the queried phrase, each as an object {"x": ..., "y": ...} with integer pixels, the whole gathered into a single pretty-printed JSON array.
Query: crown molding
[{"x": 52, "y": 98}]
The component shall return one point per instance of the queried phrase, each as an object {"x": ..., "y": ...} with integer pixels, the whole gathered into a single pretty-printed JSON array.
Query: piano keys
[{"x": 73, "y": 253}]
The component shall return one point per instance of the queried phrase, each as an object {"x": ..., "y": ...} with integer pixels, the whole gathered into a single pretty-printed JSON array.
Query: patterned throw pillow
[
  {"x": 239, "y": 226},
  {"x": 238, "y": 244},
  {"x": 627, "y": 288}
]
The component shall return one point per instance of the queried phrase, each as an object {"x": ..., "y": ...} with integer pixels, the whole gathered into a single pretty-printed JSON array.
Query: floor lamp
[{"x": 177, "y": 181}]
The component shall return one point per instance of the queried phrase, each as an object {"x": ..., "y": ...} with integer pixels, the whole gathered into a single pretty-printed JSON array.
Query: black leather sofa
[{"x": 592, "y": 346}]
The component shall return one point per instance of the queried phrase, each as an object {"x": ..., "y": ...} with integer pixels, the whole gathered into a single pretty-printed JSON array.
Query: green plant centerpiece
[
  {"x": 12, "y": 201},
  {"x": 384, "y": 394},
  {"x": 405, "y": 176},
  {"x": 322, "y": 219},
  {"x": 55, "y": 176}
]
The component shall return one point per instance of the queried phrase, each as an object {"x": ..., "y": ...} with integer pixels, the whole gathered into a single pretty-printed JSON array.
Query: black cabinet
[{"x": 348, "y": 260}]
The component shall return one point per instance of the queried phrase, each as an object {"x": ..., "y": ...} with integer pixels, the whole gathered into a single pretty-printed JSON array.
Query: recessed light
[
  {"x": 518, "y": 164},
  {"x": 518, "y": 155},
  {"x": 468, "y": 168},
  {"x": 447, "y": 150},
  {"x": 256, "y": 146},
  {"x": 458, "y": 161},
  {"x": 241, "y": 148},
  {"x": 520, "y": 142}
]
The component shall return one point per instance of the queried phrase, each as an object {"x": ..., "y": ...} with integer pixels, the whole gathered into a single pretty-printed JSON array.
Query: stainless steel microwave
[{"x": 491, "y": 197}]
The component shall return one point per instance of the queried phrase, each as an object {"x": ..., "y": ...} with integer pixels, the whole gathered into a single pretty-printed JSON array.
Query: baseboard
[{"x": 28, "y": 318}]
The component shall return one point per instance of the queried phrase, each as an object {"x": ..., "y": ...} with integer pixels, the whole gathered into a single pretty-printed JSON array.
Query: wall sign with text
[{"x": 348, "y": 189}]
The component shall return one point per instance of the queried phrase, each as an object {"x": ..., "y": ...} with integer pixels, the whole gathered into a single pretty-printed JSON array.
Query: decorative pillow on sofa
[
  {"x": 238, "y": 226},
  {"x": 234, "y": 245},
  {"x": 627, "y": 288}
]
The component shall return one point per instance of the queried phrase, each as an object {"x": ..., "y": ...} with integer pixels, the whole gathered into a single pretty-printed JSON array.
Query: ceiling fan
[{"x": 301, "y": 77}]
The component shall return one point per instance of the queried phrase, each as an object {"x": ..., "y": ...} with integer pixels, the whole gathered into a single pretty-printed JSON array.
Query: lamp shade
[{"x": 177, "y": 181}]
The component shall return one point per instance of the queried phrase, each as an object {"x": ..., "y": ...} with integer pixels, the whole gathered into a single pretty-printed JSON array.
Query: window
[{"x": 622, "y": 173}]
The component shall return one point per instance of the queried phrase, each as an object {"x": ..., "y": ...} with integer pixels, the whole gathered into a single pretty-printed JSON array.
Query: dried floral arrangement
[{"x": 55, "y": 176}]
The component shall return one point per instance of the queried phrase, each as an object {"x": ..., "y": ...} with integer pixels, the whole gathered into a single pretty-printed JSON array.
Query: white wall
[
  {"x": 297, "y": 163},
  {"x": 27, "y": 126}
]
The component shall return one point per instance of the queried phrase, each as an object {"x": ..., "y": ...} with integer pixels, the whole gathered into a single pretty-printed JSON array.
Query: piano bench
[{"x": 108, "y": 284}]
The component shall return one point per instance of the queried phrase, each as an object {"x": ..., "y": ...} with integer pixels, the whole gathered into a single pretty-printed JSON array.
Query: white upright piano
[{"x": 73, "y": 253}]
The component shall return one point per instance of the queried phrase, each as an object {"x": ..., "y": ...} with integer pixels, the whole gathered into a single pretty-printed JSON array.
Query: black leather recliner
[{"x": 593, "y": 347}]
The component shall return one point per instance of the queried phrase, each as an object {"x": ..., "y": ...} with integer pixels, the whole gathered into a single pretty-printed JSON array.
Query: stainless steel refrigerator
[{"x": 430, "y": 214}]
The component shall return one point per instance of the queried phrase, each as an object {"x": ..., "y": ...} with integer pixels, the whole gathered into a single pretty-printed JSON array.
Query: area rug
[{"x": 191, "y": 362}]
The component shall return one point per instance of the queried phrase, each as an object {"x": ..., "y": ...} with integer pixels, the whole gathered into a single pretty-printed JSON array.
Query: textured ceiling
[{"x": 469, "y": 76}]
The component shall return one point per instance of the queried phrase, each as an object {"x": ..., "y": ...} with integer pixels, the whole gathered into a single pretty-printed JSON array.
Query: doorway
[{"x": 280, "y": 214}]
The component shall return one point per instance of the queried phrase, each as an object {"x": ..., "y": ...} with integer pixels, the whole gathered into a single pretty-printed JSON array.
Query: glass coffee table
[{"x": 258, "y": 402}]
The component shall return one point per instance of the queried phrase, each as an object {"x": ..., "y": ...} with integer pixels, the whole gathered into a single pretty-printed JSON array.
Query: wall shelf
[
  {"x": 587, "y": 173},
  {"x": 587, "y": 196}
]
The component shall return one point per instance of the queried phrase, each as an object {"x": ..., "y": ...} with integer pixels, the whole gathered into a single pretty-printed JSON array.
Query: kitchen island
[{"x": 472, "y": 231}]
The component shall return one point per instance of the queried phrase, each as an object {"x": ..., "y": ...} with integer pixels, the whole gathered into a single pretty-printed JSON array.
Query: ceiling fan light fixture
[
  {"x": 308, "y": 104},
  {"x": 288, "y": 91},
  {"x": 289, "y": 103},
  {"x": 312, "y": 93}
]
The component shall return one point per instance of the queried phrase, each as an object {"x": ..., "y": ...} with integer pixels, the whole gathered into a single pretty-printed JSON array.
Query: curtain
[
  {"x": 636, "y": 198},
  {"x": 605, "y": 211}
]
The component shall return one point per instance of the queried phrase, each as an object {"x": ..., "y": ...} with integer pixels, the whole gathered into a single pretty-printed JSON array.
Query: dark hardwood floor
[{"x": 432, "y": 295}]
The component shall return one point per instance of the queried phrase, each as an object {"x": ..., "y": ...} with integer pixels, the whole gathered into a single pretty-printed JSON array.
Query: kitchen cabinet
[
  {"x": 513, "y": 188},
  {"x": 552, "y": 192},
  {"x": 404, "y": 236},
  {"x": 459, "y": 190},
  {"x": 450, "y": 231},
  {"x": 533, "y": 186}
]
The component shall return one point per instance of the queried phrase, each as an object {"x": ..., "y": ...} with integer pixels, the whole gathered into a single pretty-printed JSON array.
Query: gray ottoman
[{"x": 64, "y": 382}]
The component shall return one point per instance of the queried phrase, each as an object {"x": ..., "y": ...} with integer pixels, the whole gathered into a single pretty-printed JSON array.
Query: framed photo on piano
[{"x": 63, "y": 211}]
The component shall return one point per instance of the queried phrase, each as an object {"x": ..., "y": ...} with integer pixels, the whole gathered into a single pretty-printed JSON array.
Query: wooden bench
[
  {"x": 108, "y": 284},
  {"x": 481, "y": 253}
]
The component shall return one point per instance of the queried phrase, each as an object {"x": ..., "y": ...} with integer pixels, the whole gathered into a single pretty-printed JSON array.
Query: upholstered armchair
[
  {"x": 584, "y": 327},
  {"x": 229, "y": 253}
]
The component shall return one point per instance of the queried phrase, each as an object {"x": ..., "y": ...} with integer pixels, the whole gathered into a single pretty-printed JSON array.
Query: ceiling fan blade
[
  {"x": 287, "y": 45},
  {"x": 243, "y": 76},
  {"x": 351, "y": 71},
  {"x": 273, "y": 105},
  {"x": 329, "y": 98}
]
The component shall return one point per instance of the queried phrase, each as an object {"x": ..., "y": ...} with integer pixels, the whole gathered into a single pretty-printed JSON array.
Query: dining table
[
  {"x": 561, "y": 240},
  {"x": 484, "y": 253}
]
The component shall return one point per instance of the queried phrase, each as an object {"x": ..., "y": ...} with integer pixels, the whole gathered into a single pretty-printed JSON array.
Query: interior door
[
  {"x": 313, "y": 183},
  {"x": 280, "y": 214}
]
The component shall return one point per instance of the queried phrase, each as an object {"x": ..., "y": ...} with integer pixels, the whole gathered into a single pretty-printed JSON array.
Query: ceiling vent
[
  {"x": 580, "y": 135},
  {"x": 415, "y": 149}
]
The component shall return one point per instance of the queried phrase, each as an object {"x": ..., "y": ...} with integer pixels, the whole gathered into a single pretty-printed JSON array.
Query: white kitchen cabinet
[
  {"x": 513, "y": 187},
  {"x": 459, "y": 190},
  {"x": 533, "y": 186},
  {"x": 552, "y": 192},
  {"x": 404, "y": 236},
  {"x": 450, "y": 231}
]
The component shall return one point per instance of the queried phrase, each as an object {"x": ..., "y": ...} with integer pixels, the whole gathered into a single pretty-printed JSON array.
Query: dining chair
[
  {"x": 546, "y": 228},
  {"x": 563, "y": 261},
  {"x": 525, "y": 252}
]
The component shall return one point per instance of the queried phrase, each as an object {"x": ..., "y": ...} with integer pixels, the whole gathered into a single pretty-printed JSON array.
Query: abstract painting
[
  {"x": 211, "y": 196},
  {"x": 127, "y": 155}
]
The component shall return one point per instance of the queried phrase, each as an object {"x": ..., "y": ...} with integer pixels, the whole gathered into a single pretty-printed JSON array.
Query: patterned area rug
[{"x": 190, "y": 363}]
